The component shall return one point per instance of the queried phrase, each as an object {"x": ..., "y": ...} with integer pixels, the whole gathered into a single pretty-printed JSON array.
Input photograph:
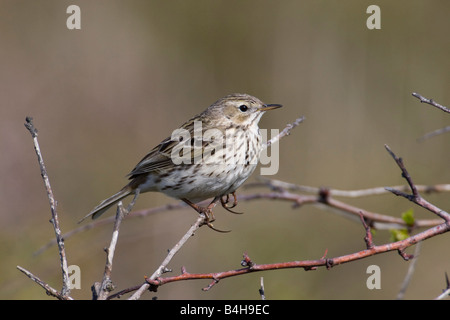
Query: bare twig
[
  {"x": 282, "y": 185},
  {"x": 48, "y": 289},
  {"x": 323, "y": 197},
  {"x": 163, "y": 267},
  {"x": 437, "y": 105},
  {"x": 286, "y": 131},
  {"x": 409, "y": 274},
  {"x": 430, "y": 102},
  {"x": 65, "y": 291},
  {"x": 371, "y": 249},
  {"x": 102, "y": 290},
  {"x": 415, "y": 196},
  {"x": 305, "y": 264},
  {"x": 434, "y": 133},
  {"x": 446, "y": 292},
  {"x": 261, "y": 290},
  {"x": 111, "y": 219},
  {"x": 368, "y": 237},
  {"x": 378, "y": 220}
]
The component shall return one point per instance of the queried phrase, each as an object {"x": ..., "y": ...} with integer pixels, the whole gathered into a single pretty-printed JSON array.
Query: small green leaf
[
  {"x": 398, "y": 235},
  {"x": 408, "y": 217}
]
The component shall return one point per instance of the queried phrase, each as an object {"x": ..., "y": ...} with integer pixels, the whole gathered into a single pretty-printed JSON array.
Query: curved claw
[
  {"x": 229, "y": 210},
  {"x": 207, "y": 212},
  {"x": 225, "y": 203},
  {"x": 209, "y": 224}
]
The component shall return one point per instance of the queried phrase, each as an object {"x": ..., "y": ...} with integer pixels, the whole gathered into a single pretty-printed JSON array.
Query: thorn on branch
[
  {"x": 166, "y": 270},
  {"x": 405, "y": 175},
  {"x": 368, "y": 237},
  {"x": 415, "y": 196},
  {"x": 404, "y": 255},
  {"x": 324, "y": 254},
  {"x": 247, "y": 262},
  {"x": 212, "y": 284},
  {"x": 446, "y": 292}
]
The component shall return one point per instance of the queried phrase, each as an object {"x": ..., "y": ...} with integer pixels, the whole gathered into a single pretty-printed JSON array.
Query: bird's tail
[{"x": 108, "y": 203}]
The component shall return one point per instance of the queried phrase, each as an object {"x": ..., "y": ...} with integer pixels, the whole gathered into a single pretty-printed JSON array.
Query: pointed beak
[{"x": 271, "y": 106}]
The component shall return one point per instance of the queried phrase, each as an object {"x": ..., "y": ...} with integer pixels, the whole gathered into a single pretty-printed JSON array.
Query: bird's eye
[{"x": 243, "y": 108}]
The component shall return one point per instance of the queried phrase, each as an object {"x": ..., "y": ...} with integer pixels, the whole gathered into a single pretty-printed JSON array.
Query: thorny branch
[
  {"x": 371, "y": 249},
  {"x": 415, "y": 196},
  {"x": 280, "y": 191}
]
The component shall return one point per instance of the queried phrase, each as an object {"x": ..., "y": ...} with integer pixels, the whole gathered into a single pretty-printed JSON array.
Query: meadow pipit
[{"x": 209, "y": 156}]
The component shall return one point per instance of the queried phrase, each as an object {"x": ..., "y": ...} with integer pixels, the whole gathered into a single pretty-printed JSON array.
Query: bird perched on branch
[{"x": 209, "y": 156}]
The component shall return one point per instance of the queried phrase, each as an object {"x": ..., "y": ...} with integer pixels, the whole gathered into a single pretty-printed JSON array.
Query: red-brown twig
[
  {"x": 280, "y": 192},
  {"x": 249, "y": 266},
  {"x": 305, "y": 264},
  {"x": 368, "y": 237}
]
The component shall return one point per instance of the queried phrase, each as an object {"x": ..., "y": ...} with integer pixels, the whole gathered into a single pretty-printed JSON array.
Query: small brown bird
[{"x": 209, "y": 156}]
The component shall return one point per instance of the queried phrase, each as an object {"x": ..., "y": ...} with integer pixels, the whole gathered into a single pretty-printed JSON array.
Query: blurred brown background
[{"x": 102, "y": 96}]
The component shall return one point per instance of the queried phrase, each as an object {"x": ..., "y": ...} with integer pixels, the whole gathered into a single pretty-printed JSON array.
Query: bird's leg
[
  {"x": 224, "y": 203},
  {"x": 206, "y": 211}
]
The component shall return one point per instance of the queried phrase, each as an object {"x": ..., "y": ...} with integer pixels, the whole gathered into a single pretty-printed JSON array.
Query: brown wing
[{"x": 157, "y": 160}]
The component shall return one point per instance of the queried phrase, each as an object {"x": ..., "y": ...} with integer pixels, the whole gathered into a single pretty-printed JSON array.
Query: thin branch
[
  {"x": 111, "y": 219},
  {"x": 54, "y": 220},
  {"x": 371, "y": 249},
  {"x": 305, "y": 264},
  {"x": 262, "y": 292},
  {"x": 409, "y": 274},
  {"x": 278, "y": 184},
  {"x": 434, "y": 133},
  {"x": 48, "y": 289},
  {"x": 102, "y": 290},
  {"x": 415, "y": 196},
  {"x": 378, "y": 220},
  {"x": 446, "y": 292},
  {"x": 163, "y": 267},
  {"x": 368, "y": 237},
  {"x": 430, "y": 102},
  {"x": 286, "y": 131}
]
